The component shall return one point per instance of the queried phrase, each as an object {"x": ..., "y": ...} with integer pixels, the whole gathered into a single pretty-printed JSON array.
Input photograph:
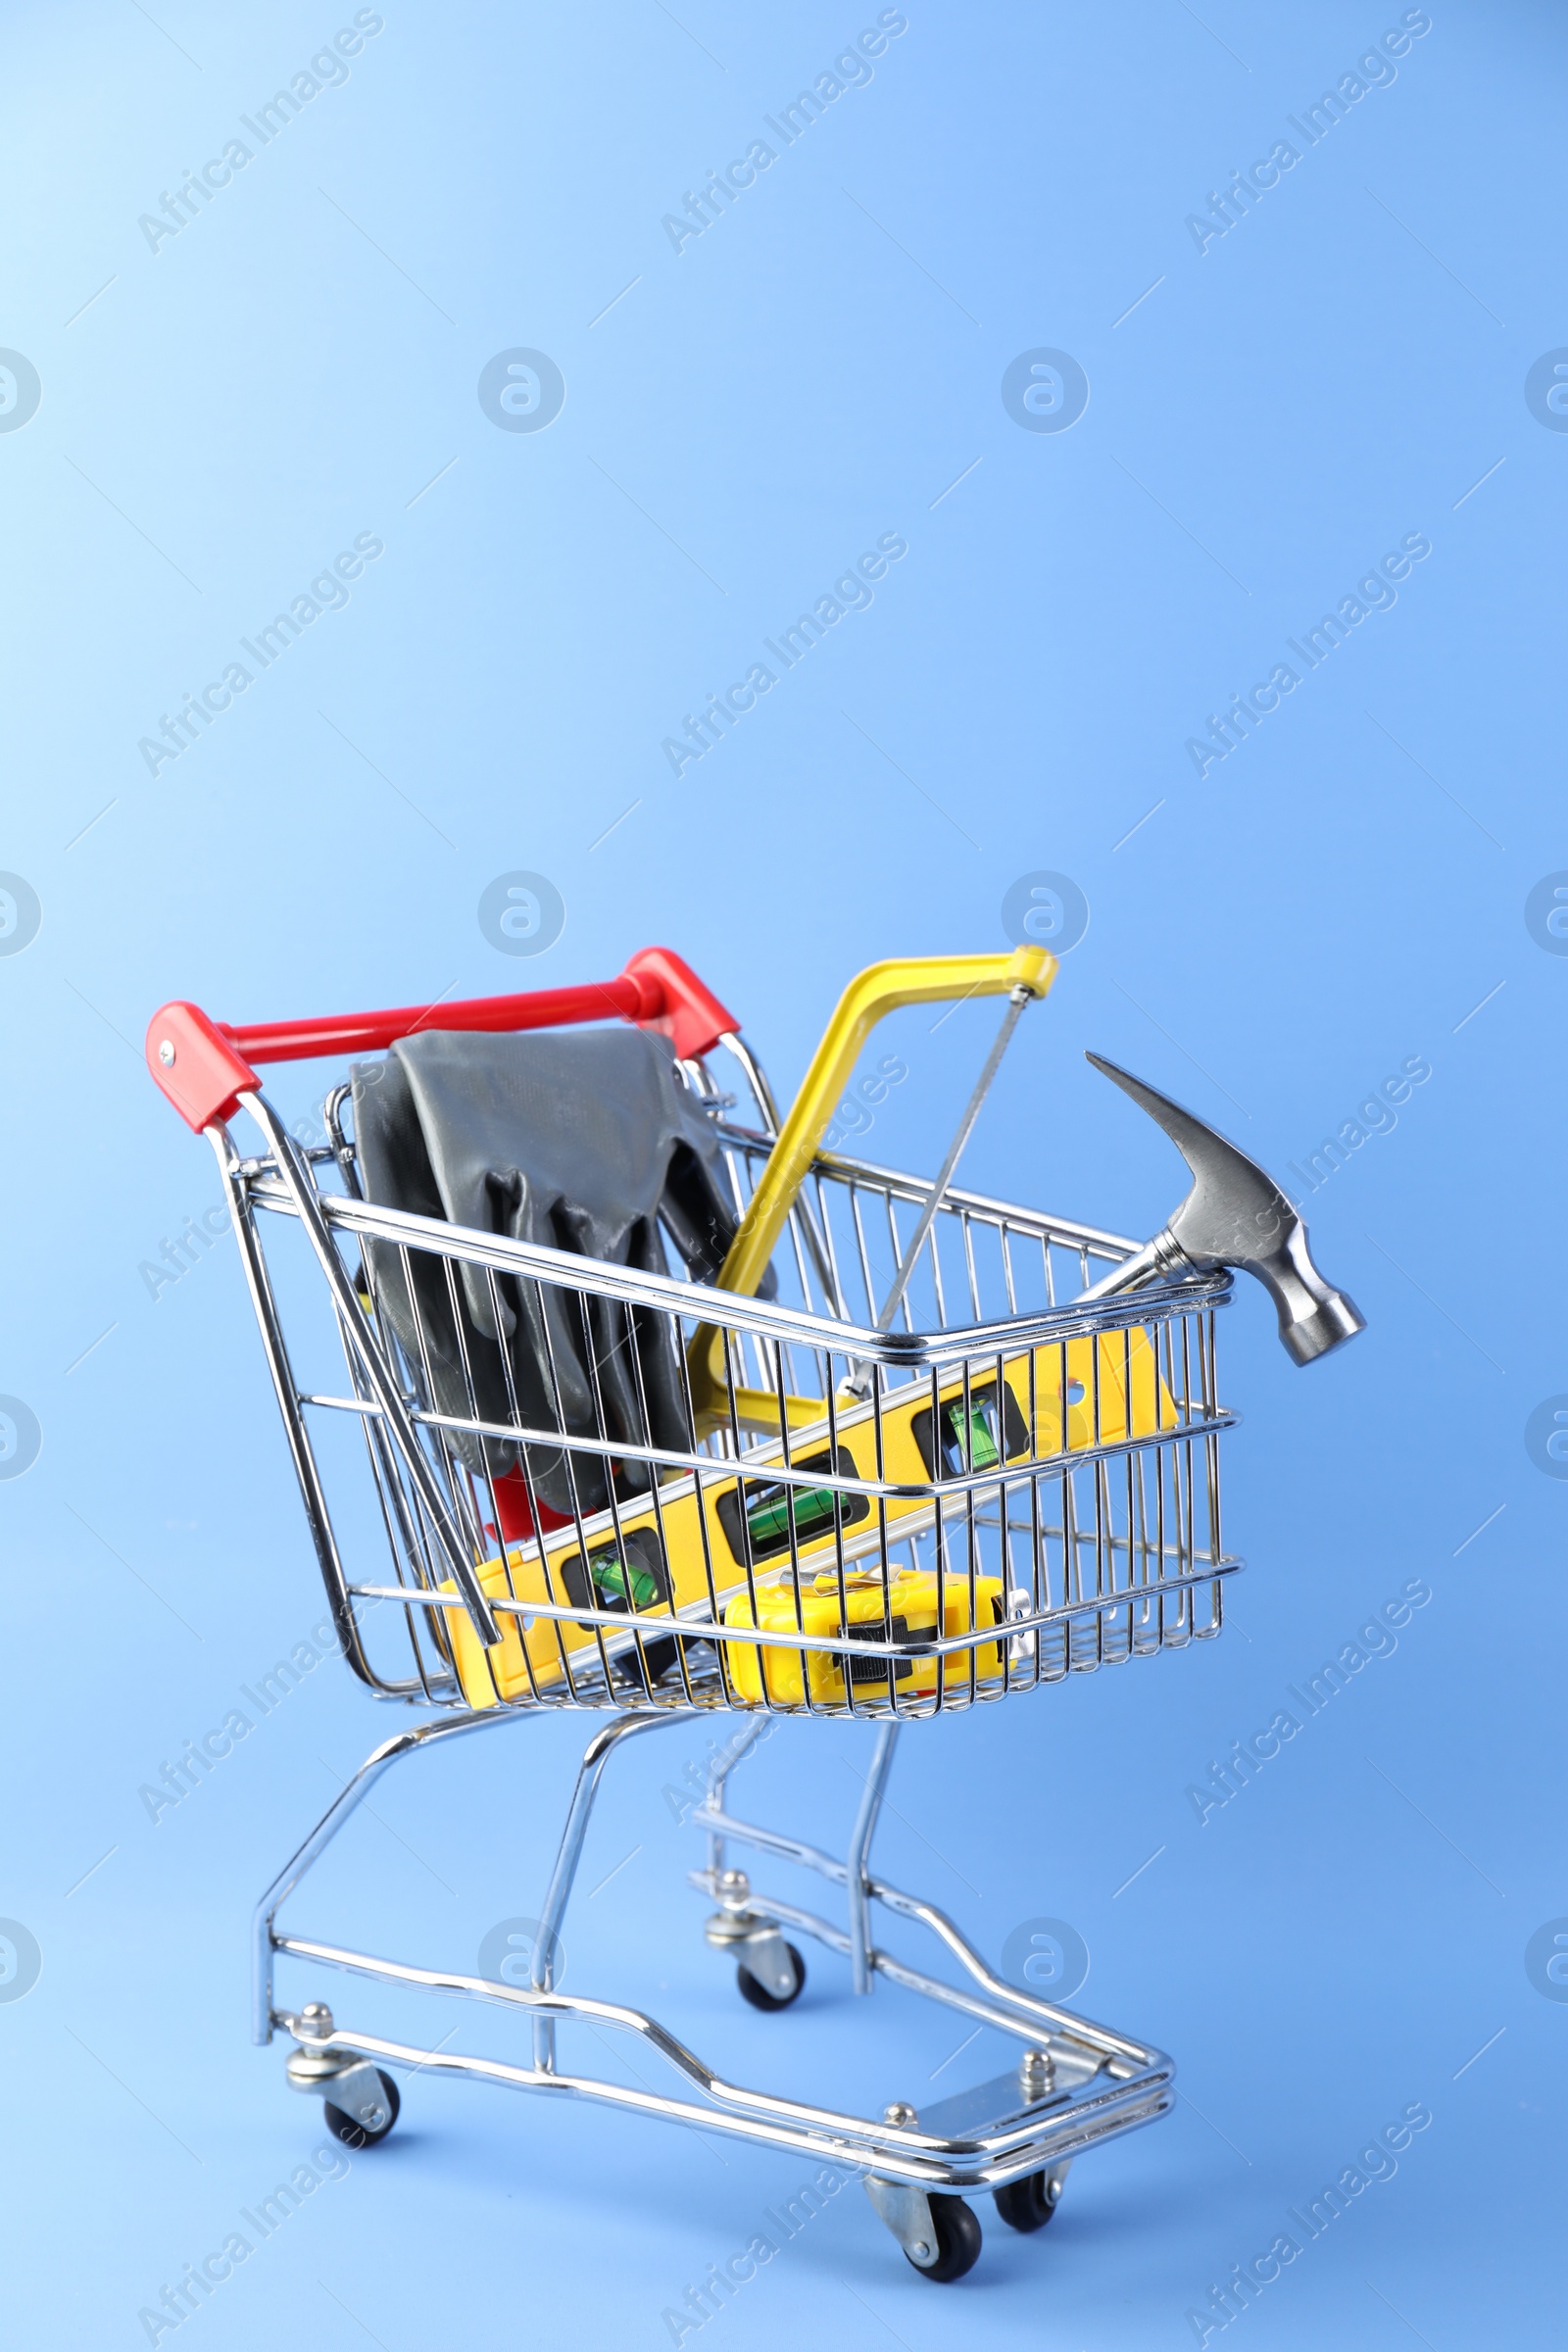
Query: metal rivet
[
  {"x": 1037, "y": 2073},
  {"x": 920, "y": 2247},
  {"x": 899, "y": 2111},
  {"x": 166, "y": 1052}
]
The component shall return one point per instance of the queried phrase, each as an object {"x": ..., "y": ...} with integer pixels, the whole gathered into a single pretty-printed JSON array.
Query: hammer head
[{"x": 1236, "y": 1215}]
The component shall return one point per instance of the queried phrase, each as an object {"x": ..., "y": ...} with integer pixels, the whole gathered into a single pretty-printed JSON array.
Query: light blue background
[{"x": 1339, "y": 894}]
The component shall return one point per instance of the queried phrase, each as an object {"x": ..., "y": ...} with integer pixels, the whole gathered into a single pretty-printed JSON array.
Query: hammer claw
[{"x": 1236, "y": 1215}]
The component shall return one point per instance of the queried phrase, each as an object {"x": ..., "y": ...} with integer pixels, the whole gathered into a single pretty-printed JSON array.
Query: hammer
[{"x": 1234, "y": 1215}]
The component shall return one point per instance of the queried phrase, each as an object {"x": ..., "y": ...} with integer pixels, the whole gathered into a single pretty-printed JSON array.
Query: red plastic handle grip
[{"x": 204, "y": 1066}]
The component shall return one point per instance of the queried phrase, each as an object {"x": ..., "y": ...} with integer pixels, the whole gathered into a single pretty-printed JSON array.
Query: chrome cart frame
[
  {"x": 1061, "y": 1514},
  {"x": 1077, "y": 2083}
]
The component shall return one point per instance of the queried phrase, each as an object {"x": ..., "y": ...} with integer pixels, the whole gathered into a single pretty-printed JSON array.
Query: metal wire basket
[{"x": 1004, "y": 1488}]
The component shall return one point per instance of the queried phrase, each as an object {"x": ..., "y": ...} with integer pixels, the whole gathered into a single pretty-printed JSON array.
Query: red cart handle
[{"x": 204, "y": 1066}]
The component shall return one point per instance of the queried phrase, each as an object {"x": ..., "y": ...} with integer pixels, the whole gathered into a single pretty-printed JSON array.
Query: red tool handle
[{"x": 204, "y": 1066}]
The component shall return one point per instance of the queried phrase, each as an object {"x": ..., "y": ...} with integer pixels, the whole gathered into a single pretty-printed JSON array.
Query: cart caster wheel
[
  {"x": 1028, "y": 2204},
  {"x": 347, "y": 2127},
  {"x": 959, "y": 2242},
  {"x": 758, "y": 1993}
]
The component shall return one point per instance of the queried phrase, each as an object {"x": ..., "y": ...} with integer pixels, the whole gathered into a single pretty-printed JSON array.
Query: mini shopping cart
[{"x": 945, "y": 1463}]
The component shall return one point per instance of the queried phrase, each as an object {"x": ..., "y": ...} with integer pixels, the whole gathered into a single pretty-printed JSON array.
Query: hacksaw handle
[{"x": 881, "y": 989}]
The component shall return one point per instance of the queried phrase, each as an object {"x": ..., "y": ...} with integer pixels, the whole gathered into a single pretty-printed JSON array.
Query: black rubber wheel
[
  {"x": 758, "y": 1993},
  {"x": 1027, "y": 2204},
  {"x": 959, "y": 2240},
  {"x": 347, "y": 2127}
]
